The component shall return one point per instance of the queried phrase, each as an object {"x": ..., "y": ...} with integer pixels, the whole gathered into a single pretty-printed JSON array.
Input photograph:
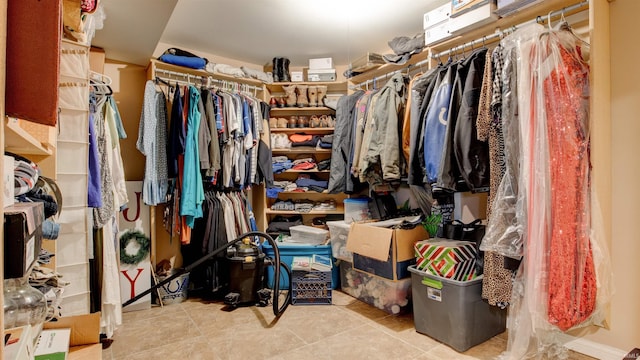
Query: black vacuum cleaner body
[{"x": 246, "y": 264}]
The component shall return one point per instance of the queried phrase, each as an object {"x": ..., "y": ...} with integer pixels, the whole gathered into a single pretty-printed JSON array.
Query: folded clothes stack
[
  {"x": 304, "y": 140},
  {"x": 304, "y": 164},
  {"x": 326, "y": 142},
  {"x": 324, "y": 164}
]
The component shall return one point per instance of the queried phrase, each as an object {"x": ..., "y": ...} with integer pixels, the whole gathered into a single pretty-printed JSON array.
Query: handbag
[{"x": 473, "y": 231}]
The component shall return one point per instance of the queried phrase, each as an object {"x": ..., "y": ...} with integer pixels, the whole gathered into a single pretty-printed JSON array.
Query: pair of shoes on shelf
[{"x": 278, "y": 123}]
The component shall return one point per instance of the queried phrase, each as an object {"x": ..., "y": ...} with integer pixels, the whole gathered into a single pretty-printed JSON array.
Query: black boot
[
  {"x": 286, "y": 76},
  {"x": 277, "y": 73}
]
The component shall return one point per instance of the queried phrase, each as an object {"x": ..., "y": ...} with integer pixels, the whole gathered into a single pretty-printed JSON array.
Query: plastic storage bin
[
  {"x": 311, "y": 288},
  {"x": 453, "y": 312},
  {"x": 356, "y": 209},
  {"x": 338, "y": 232},
  {"x": 288, "y": 251},
  {"x": 308, "y": 235},
  {"x": 388, "y": 295}
]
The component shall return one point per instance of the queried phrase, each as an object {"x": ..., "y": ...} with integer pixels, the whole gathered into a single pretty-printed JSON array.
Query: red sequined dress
[{"x": 572, "y": 280}]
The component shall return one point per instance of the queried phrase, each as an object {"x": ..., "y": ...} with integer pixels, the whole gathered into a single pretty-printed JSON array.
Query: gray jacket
[
  {"x": 340, "y": 175},
  {"x": 381, "y": 160}
]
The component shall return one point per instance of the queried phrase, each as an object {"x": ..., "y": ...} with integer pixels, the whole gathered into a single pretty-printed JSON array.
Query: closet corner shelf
[
  {"x": 19, "y": 141},
  {"x": 300, "y": 150},
  {"x": 303, "y": 130},
  {"x": 157, "y": 64}
]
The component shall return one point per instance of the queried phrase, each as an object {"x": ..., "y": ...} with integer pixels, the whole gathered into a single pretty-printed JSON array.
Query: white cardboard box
[
  {"x": 320, "y": 63},
  {"x": 297, "y": 76},
  {"x": 437, "y": 33},
  {"x": 53, "y": 344},
  {"x": 436, "y": 16},
  {"x": 473, "y": 19},
  {"x": 321, "y": 75},
  {"x": 7, "y": 180}
]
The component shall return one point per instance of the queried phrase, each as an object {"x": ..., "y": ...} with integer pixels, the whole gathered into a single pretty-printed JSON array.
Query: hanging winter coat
[
  {"x": 472, "y": 155},
  {"x": 436, "y": 121}
]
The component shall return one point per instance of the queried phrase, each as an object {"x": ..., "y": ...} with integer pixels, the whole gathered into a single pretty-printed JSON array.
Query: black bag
[{"x": 473, "y": 231}]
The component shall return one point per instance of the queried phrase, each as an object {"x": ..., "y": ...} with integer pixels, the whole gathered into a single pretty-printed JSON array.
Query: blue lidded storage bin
[{"x": 288, "y": 251}]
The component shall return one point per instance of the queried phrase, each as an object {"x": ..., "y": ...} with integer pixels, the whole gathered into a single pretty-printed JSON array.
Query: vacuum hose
[{"x": 277, "y": 311}]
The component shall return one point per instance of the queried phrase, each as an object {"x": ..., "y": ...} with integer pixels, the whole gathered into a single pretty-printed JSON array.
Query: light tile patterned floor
[{"x": 348, "y": 329}]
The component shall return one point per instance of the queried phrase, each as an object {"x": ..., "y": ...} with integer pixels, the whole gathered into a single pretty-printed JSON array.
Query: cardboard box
[
  {"x": 436, "y": 16},
  {"x": 459, "y": 7},
  {"x": 320, "y": 63},
  {"x": 52, "y": 344},
  {"x": 508, "y": 7},
  {"x": 18, "y": 343},
  {"x": 97, "y": 59},
  {"x": 367, "y": 62},
  {"x": 384, "y": 252},
  {"x": 7, "y": 181},
  {"x": 297, "y": 76},
  {"x": 321, "y": 75},
  {"x": 437, "y": 33},
  {"x": 84, "y": 340},
  {"x": 22, "y": 237},
  {"x": 473, "y": 19}
]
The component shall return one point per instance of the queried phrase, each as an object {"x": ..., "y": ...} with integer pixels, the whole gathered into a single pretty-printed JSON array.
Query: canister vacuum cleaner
[{"x": 247, "y": 265}]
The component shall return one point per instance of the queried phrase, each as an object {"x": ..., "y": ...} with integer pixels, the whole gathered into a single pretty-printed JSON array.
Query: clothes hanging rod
[
  {"x": 500, "y": 33},
  {"x": 484, "y": 39},
  {"x": 206, "y": 80}
]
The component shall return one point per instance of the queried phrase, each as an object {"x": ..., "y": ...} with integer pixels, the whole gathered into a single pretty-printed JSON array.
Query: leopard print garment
[{"x": 497, "y": 283}]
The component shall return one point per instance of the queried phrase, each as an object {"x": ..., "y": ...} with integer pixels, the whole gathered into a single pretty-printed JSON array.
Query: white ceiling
[{"x": 255, "y": 31}]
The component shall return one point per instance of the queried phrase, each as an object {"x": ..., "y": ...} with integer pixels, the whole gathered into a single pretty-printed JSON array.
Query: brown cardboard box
[
  {"x": 85, "y": 335},
  {"x": 96, "y": 59},
  {"x": 384, "y": 252}
]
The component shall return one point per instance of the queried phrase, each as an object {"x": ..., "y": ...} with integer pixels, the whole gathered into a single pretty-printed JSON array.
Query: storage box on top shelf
[
  {"x": 507, "y": 7},
  {"x": 287, "y": 252},
  {"x": 367, "y": 62},
  {"x": 22, "y": 237},
  {"x": 297, "y": 76},
  {"x": 459, "y": 7},
  {"x": 436, "y": 16},
  {"x": 453, "y": 312},
  {"x": 393, "y": 297},
  {"x": 316, "y": 75},
  {"x": 382, "y": 251},
  {"x": 321, "y": 63},
  {"x": 437, "y": 33},
  {"x": 473, "y": 18}
]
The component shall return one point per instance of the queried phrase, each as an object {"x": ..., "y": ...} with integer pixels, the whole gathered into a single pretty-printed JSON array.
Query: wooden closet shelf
[
  {"x": 303, "y": 130},
  {"x": 19, "y": 141},
  {"x": 157, "y": 64},
  {"x": 339, "y": 210}
]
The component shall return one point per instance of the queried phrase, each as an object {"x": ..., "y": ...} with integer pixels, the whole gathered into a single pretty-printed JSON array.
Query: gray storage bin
[{"x": 453, "y": 312}]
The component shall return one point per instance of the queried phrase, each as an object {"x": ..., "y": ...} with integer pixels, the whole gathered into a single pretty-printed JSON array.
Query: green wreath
[{"x": 143, "y": 241}]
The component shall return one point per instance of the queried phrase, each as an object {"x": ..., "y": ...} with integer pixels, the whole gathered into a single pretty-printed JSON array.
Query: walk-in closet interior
[{"x": 432, "y": 179}]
